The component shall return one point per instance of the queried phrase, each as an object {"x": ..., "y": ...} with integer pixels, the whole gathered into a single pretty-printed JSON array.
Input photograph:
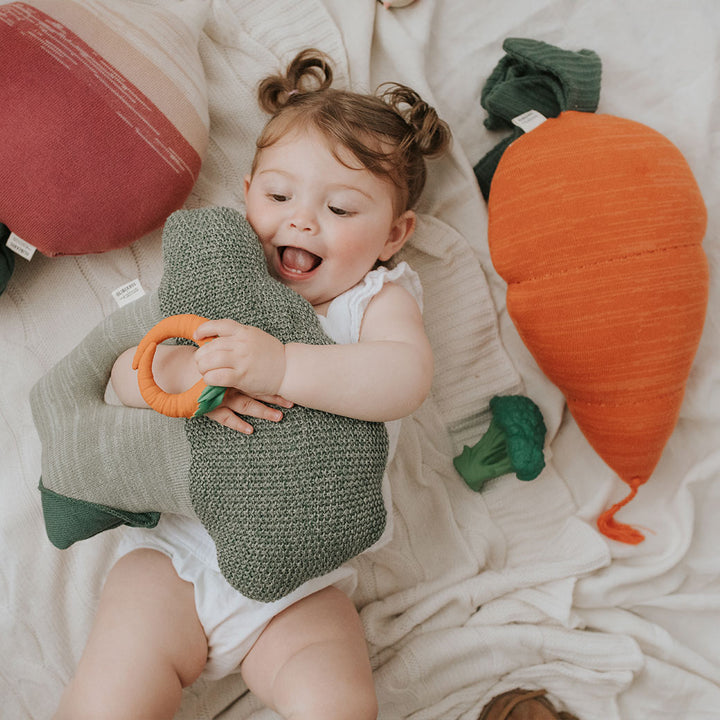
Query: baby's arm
[
  {"x": 384, "y": 376},
  {"x": 173, "y": 367},
  {"x": 175, "y": 370}
]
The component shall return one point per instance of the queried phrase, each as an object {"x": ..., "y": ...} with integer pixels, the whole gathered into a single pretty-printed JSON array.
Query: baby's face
[{"x": 322, "y": 225}]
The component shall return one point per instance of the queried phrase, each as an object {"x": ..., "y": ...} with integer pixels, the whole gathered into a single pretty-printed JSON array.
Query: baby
[{"x": 330, "y": 196}]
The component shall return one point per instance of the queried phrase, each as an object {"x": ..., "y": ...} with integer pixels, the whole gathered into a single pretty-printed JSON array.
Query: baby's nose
[{"x": 304, "y": 220}]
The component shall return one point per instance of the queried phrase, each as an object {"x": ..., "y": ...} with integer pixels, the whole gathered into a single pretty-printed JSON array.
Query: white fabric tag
[
  {"x": 20, "y": 247},
  {"x": 529, "y": 120},
  {"x": 128, "y": 293}
]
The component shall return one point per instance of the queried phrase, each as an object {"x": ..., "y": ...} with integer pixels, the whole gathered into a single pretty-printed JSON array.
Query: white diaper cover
[{"x": 231, "y": 621}]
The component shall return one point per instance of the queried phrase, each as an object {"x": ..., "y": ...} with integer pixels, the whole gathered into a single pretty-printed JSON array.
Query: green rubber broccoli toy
[{"x": 512, "y": 444}]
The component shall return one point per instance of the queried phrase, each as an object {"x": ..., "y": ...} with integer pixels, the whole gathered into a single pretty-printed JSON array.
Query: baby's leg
[
  {"x": 311, "y": 662},
  {"x": 146, "y": 644}
]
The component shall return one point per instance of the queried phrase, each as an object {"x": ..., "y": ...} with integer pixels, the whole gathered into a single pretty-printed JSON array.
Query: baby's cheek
[
  {"x": 265, "y": 233},
  {"x": 253, "y": 212}
]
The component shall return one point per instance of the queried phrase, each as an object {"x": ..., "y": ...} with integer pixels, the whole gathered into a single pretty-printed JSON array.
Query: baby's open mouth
[{"x": 298, "y": 261}]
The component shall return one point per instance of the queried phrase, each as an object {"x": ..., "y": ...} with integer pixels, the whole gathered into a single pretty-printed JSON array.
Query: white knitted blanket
[{"x": 477, "y": 593}]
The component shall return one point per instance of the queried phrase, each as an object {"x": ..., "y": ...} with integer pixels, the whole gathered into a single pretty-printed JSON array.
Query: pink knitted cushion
[{"x": 104, "y": 120}]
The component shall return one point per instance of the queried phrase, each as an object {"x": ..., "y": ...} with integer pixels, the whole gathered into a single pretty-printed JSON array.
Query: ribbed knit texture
[
  {"x": 295, "y": 499},
  {"x": 107, "y": 458},
  {"x": 100, "y": 456}
]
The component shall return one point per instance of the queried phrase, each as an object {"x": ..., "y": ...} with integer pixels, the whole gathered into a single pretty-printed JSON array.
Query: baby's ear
[
  {"x": 246, "y": 187},
  {"x": 400, "y": 232}
]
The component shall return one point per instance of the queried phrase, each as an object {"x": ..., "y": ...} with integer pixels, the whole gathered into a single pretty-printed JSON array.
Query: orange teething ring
[{"x": 186, "y": 404}]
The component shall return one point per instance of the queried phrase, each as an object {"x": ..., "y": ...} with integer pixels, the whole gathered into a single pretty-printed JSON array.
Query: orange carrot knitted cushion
[{"x": 596, "y": 223}]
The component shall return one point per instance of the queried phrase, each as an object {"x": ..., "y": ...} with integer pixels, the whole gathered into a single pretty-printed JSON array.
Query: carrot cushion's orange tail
[
  {"x": 596, "y": 223},
  {"x": 195, "y": 401}
]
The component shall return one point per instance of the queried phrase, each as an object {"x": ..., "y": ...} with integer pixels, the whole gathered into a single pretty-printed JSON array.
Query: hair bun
[
  {"x": 430, "y": 134},
  {"x": 310, "y": 70}
]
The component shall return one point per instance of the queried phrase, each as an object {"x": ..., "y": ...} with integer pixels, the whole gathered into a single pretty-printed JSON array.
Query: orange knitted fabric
[{"x": 596, "y": 224}]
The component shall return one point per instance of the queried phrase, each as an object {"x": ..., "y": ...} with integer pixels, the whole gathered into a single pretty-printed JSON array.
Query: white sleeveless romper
[{"x": 231, "y": 621}]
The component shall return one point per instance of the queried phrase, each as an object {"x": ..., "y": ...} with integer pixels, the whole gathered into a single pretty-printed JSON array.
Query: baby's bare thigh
[
  {"x": 311, "y": 661},
  {"x": 143, "y": 597},
  {"x": 145, "y": 645}
]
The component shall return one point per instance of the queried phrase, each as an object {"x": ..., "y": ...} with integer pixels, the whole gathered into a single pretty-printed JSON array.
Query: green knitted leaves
[{"x": 534, "y": 75}]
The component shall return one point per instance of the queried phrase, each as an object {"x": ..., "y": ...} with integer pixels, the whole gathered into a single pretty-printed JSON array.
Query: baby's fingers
[
  {"x": 216, "y": 328},
  {"x": 246, "y": 405},
  {"x": 225, "y": 416},
  {"x": 236, "y": 404}
]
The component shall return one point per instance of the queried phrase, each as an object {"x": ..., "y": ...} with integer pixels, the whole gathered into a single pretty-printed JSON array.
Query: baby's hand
[
  {"x": 241, "y": 357},
  {"x": 236, "y": 403}
]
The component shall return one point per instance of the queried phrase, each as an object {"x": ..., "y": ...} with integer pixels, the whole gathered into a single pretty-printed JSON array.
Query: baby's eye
[
  {"x": 339, "y": 211},
  {"x": 278, "y": 197}
]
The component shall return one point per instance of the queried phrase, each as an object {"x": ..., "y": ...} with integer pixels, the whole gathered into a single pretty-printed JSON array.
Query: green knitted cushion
[{"x": 289, "y": 502}]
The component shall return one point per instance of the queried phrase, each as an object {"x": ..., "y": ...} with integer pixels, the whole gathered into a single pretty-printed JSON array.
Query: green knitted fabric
[
  {"x": 290, "y": 502},
  {"x": 297, "y": 498},
  {"x": 534, "y": 75},
  {"x": 106, "y": 458},
  {"x": 64, "y": 516}
]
